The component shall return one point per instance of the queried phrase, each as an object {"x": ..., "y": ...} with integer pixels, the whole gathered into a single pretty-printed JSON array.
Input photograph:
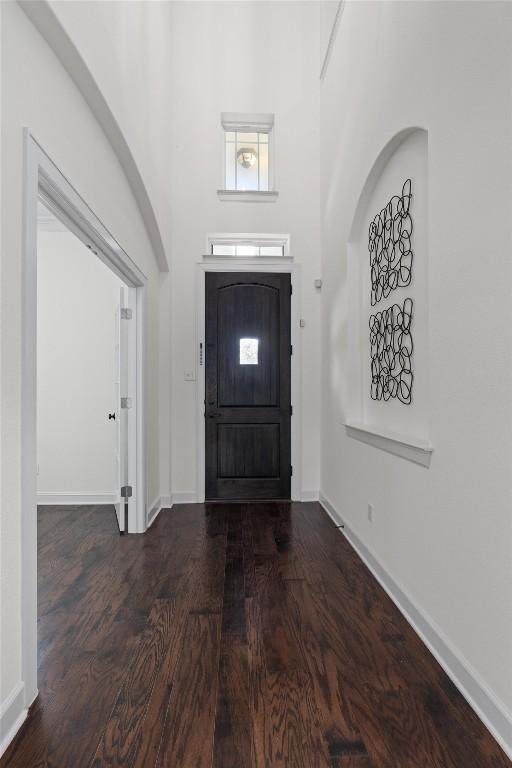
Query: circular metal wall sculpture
[
  {"x": 391, "y": 350},
  {"x": 389, "y": 244}
]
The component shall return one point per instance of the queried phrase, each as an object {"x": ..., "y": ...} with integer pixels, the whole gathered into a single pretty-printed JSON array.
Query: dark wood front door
[{"x": 247, "y": 403}]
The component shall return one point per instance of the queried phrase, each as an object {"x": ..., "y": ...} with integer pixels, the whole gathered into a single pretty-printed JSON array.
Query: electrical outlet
[
  {"x": 370, "y": 513},
  {"x": 190, "y": 376}
]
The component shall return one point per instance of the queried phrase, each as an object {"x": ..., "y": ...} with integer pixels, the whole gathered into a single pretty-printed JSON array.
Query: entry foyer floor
[{"x": 231, "y": 636}]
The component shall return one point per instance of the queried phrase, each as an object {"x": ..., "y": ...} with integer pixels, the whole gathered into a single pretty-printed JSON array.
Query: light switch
[{"x": 190, "y": 376}]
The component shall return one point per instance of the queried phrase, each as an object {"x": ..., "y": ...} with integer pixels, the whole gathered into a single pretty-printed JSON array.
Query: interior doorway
[
  {"x": 44, "y": 182},
  {"x": 82, "y": 374},
  {"x": 247, "y": 386}
]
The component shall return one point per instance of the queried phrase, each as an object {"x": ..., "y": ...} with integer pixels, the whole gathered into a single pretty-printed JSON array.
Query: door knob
[{"x": 111, "y": 416}]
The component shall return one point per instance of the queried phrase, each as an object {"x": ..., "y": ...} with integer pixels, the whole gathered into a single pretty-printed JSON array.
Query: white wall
[
  {"x": 242, "y": 57},
  {"x": 444, "y": 534},
  {"x": 78, "y": 299},
  {"x": 37, "y": 92},
  {"x": 125, "y": 46}
]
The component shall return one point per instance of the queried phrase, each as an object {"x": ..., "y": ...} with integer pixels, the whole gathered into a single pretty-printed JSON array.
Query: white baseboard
[
  {"x": 187, "y": 497},
  {"x": 154, "y": 509},
  {"x": 190, "y": 497},
  {"x": 331, "y": 511},
  {"x": 167, "y": 502},
  {"x": 310, "y": 496},
  {"x": 492, "y": 712},
  {"x": 12, "y": 715},
  {"x": 53, "y": 498}
]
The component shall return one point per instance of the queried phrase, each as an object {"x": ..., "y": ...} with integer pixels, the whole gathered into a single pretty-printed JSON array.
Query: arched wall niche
[
  {"x": 405, "y": 156},
  {"x": 376, "y": 171}
]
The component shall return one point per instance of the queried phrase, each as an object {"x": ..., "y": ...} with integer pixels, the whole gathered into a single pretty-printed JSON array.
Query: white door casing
[
  {"x": 122, "y": 390},
  {"x": 286, "y": 265},
  {"x": 43, "y": 180}
]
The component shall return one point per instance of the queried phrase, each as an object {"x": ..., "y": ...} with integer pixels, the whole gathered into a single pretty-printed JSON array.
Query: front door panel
[{"x": 247, "y": 404}]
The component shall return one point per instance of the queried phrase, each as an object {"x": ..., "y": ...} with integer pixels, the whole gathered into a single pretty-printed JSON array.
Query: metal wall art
[
  {"x": 389, "y": 243},
  {"x": 391, "y": 350}
]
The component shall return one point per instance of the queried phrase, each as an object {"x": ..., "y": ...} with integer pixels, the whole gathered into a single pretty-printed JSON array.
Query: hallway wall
[
  {"x": 125, "y": 46},
  {"x": 38, "y": 93},
  {"x": 242, "y": 57},
  {"x": 76, "y": 371},
  {"x": 443, "y": 534}
]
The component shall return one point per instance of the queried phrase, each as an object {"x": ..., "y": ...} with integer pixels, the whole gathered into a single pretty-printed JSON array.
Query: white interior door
[{"x": 121, "y": 413}]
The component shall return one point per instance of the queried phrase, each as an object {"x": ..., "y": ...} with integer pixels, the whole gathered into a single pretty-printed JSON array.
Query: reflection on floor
[{"x": 231, "y": 636}]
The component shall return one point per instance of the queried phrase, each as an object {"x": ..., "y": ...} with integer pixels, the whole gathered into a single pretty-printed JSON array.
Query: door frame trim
[
  {"x": 43, "y": 180},
  {"x": 249, "y": 265}
]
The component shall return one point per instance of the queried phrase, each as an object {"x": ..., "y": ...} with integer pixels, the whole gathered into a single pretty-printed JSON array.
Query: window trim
[
  {"x": 251, "y": 123},
  {"x": 248, "y": 238},
  {"x": 252, "y": 196},
  {"x": 259, "y": 122}
]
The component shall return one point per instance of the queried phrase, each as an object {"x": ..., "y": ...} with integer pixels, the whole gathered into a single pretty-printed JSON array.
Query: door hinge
[
  {"x": 291, "y": 289},
  {"x": 291, "y": 470},
  {"x": 126, "y": 313},
  {"x": 291, "y": 349},
  {"x": 126, "y": 402},
  {"x": 126, "y": 493},
  {"x": 291, "y": 410}
]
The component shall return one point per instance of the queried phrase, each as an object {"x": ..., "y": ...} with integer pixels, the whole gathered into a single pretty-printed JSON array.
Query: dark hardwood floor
[{"x": 230, "y": 636}]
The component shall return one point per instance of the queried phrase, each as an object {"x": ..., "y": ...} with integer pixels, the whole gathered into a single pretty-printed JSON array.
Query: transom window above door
[
  {"x": 243, "y": 245},
  {"x": 248, "y": 157}
]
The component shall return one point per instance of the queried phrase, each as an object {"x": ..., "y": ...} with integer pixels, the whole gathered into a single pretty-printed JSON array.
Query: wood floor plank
[
  {"x": 325, "y": 667},
  {"x": 187, "y": 740},
  {"x": 198, "y": 572},
  {"x": 283, "y": 706},
  {"x": 234, "y": 734},
  {"x": 233, "y": 738},
  {"x": 71, "y": 714},
  {"x": 118, "y": 743}
]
